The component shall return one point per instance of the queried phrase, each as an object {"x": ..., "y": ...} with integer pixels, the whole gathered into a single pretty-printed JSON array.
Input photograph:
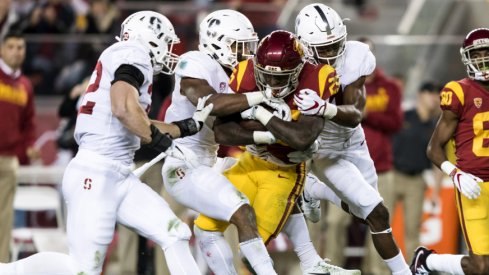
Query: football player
[
  {"x": 226, "y": 37},
  {"x": 264, "y": 173},
  {"x": 343, "y": 162},
  {"x": 463, "y": 119},
  {"x": 98, "y": 185}
]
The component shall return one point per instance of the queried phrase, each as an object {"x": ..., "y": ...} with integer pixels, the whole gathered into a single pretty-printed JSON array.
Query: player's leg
[
  {"x": 474, "y": 219},
  {"x": 90, "y": 188},
  {"x": 365, "y": 203},
  {"x": 148, "y": 214},
  {"x": 251, "y": 243}
]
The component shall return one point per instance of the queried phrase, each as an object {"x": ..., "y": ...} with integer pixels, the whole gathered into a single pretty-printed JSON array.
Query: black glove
[{"x": 159, "y": 141}]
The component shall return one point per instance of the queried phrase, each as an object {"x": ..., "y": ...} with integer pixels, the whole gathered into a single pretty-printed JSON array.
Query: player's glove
[
  {"x": 282, "y": 109},
  {"x": 159, "y": 141},
  {"x": 466, "y": 183},
  {"x": 191, "y": 126},
  {"x": 301, "y": 156},
  {"x": 310, "y": 103},
  {"x": 257, "y": 112}
]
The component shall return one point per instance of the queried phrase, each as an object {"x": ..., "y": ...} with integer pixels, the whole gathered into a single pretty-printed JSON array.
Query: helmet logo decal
[
  {"x": 125, "y": 36},
  {"x": 155, "y": 24},
  {"x": 298, "y": 48},
  {"x": 213, "y": 20},
  {"x": 324, "y": 18}
]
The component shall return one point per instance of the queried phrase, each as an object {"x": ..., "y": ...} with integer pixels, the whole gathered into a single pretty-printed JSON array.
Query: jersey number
[
  {"x": 446, "y": 98},
  {"x": 92, "y": 87},
  {"x": 478, "y": 147}
]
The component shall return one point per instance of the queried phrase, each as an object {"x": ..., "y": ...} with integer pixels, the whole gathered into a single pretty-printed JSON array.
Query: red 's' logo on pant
[{"x": 87, "y": 184}]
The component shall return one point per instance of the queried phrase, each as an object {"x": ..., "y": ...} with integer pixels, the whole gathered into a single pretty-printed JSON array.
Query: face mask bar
[
  {"x": 281, "y": 83},
  {"x": 168, "y": 61},
  {"x": 336, "y": 46},
  {"x": 242, "y": 49},
  {"x": 477, "y": 68}
]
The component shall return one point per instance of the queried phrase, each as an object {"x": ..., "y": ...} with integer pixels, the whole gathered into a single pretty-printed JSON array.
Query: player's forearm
[
  {"x": 227, "y": 104},
  {"x": 125, "y": 107},
  {"x": 348, "y": 115},
  {"x": 171, "y": 129},
  {"x": 294, "y": 134},
  {"x": 136, "y": 121},
  {"x": 436, "y": 153},
  {"x": 230, "y": 133}
]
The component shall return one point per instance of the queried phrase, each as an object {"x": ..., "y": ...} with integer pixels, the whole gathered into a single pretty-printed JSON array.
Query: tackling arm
[
  {"x": 125, "y": 106},
  {"x": 224, "y": 104},
  {"x": 299, "y": 134},
  {"x": 350, "y": 114}
]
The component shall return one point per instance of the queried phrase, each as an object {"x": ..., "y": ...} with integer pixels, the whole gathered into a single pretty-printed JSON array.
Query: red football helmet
[
  {"x": 477, "y": 62},
  {"x": 278, "y": 62}
]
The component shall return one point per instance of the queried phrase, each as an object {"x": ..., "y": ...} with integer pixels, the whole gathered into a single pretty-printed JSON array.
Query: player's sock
[
  {"x": 216, "y": 251},
  {"x": 256, "y": 253},
  {"x": 398, "y": 265},
  {"x": 176, "y": 256},
  {"x": 445, "y": 263},
  {"x": 296, "y": 230},
  {"x": 40, "y": 263}
]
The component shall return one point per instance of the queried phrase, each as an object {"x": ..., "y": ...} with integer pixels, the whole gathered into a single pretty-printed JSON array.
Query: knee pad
[{"x": 207, "y": 236}]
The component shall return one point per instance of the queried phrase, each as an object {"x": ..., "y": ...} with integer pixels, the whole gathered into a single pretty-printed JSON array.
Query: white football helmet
[
  {"x": 154, "y": 31},
  {"x": 322, "y": 32},
  {"x": 228, "y": 37}
]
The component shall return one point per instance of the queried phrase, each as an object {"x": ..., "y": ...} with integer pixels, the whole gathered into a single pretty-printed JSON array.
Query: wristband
[
  {"x": 187, "y": 127},
  {"x": 263, "y": 115},
  {"x": 254, "y": 98},
  {"x": 448, "y": 168},
  {"x": 330, "y": 111},
  {"x": 263, "y": 137}
]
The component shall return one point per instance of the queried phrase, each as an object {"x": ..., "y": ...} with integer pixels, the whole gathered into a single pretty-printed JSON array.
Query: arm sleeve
[{"x": 130, "y": 74}]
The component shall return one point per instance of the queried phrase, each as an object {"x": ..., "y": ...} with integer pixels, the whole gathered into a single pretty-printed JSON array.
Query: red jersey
[
  {"x": 321, "y": 78},
  {"x": 470, "y": 101},
  {"x": 17, "y": 113},
  {"x": 384, "y": 118}
]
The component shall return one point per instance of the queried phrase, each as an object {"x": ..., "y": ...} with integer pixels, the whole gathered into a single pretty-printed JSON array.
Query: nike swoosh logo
[
  {"x": 417, "y": 259},
  {"x": 282, "y": 177},
  {"x": 313, "y": 107}
]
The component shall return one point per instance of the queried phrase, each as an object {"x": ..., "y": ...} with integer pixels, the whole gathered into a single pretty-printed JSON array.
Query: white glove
[
  {"x": 257, "y": 112},
  {"x": 183, "y": 153},
  {"x": 282, "y": 109},
  {"x": 310, "y": 103},
  {"x": 301, "y": 156},
  {"x": 201, "y": 113},
  {"x": 466, "y": 183}
]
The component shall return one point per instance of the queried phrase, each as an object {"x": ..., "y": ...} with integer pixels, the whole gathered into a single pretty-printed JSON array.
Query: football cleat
[
  {"x": 325, "y": 268},
  {"x": 418, "y": 265}
]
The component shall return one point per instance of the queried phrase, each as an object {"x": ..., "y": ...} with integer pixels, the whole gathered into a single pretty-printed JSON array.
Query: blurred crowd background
[{"x": 416, "y": 43}]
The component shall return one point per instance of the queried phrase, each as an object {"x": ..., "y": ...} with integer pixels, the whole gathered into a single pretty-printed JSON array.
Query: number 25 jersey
[{"x": 470, "y": 102}]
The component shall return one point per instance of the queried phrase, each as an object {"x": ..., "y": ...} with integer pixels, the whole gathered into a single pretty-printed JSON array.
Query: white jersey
[
  {"x": 357, "y": 61},
  {"x": 196, "y": 64},
  {"x": 97, "y": 129}
]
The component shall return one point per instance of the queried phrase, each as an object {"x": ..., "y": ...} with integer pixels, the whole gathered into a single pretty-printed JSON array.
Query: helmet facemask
[
  {"x": 328, "y": 52},
  {"x": 476, "y": 61},
  {"x": 275, "y": 82},
  {"x": 162, "y": 57},
  {"x": 241, "y": 50}
]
